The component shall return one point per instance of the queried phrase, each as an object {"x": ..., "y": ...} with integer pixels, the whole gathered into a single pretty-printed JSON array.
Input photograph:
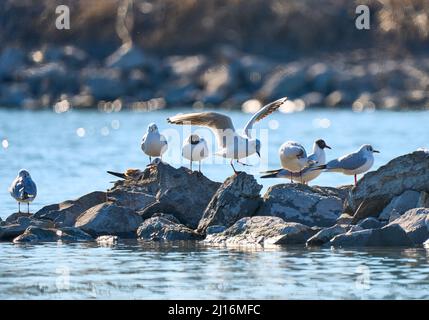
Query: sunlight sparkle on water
[
  {"x": 80, "y": 132},
  {"x": 5, "y": 144}
]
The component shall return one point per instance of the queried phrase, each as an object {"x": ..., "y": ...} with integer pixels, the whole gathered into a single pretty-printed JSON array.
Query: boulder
[
  {"x": 10, "y": 231},
  {"x": 388, "y": 236},
  {"x": 104, "y": 84},
  {"x": 414, "y": 223},
  {"x": 109, "y": 219},
  {"x": 15, "y": 216},
  {"x": 107, "y": 241},
  {"x": 11, "y": 59},
  {"x": 326, "y": 234},
  {"x": 160, "y": 228},
  {"x": 262, "y": 230},
  {"x": 345, "y": 218},
  {"x": 370, "y": 223},
  {"x": 37, "y": 234},
  {"x": 64, "y": 214},
  {"x": 236, "y": 198},
  {"x": 377, "y": 188},
  {"x": 180, "y": 192},
  {"x": 312, "y": 206},
  {"x": 400, "y": 204},
  {"x": 215, "y": 229}
]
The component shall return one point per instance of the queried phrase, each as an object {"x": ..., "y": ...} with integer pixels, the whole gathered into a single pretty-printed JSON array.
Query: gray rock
[
  {"x": 414, "y": 223},
  {"x": 126, "y": 58},
  {"x": 10, "y": 231},
  {"x": 426, "y": 244},
  {"x": 65, "y": 214},
  {"x": 166, "y": 184},
  {"x": 236, "y": 198},
  {"x": 345, "y": 218},
  {"x": 326, "y": 234},
  {"x": 377, "y": 188},
  {"x": 15, "y": 216},
  {"x": 15, "y": 94},
  {"x": 109, "y": 219},
  {"x": 107, "y": 241},
  {"x": 399, "y": 204},
  {"x": 215, "y": 229},
  {"x": 38, "y": 234},
  {"x": 104, "y": 84},
  {"x": 312, "y": 206},
  {"x": 11, "y": 59},
  {"x": 370, "y": 223},
  {"x": 388, "y": 236},
  {"x": 160, "y": 228},
  {"x": 262, "y": 230}
]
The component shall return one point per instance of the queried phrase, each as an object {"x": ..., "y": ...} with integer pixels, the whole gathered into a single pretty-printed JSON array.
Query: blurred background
[{"x": 233, "y": 54}]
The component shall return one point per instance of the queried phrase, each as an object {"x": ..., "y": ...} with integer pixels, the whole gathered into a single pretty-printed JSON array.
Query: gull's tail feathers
[
  {"x": 273, "y": 174},
  {"x": 117, "y": 174}
]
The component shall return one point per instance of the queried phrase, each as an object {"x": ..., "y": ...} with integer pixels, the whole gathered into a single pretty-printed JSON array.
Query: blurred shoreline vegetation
[{"x": 147, "y": 55}]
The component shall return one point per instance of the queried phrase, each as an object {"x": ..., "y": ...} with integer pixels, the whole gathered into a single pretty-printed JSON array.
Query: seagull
[
  {"x": 195, "y": 149},
  {"x": 306, "y": 174},
  {"x": 293, "y": 156},
  {"x": 231, "y": 145},
  {"x": 153, "y": 143},
  {"x": 23, "y": 189},
  {"x": 354, "y": 163}
]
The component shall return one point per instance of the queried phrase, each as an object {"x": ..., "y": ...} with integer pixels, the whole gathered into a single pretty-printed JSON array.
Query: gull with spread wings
[{"x": 231, "y": 144}]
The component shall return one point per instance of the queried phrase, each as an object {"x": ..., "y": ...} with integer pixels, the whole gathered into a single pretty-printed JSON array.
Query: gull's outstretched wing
[{"x": 261, "y": 114}]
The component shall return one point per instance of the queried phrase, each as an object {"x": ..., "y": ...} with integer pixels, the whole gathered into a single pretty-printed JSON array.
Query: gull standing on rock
[
  {"x": 354, "y": 163},
  {"x": 195, "y": 149},
  {"x": 231, "y": 145},
  {"x": 23, "y": 189},
  {"x": 153, "y": 143},
  {"x": 305, "y": 175}
]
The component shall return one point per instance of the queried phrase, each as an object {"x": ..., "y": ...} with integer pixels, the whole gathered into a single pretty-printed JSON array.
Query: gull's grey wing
[
  {"x": 261, "y": 114},
  {"x": 351, "y": 161},
  {"x": 30, "y": 189},
  {"x": 212, "y": 120}
]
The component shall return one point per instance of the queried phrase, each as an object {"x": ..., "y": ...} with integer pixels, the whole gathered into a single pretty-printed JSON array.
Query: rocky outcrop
[
  {"x": 262, "y": 230},
  {"x": 326, "y": 234},
  {"x": 15, "y": 216},
  {"x": 109, "y": 219},
  {"x": 36, "y": 234},
  {"x": 377, "y": 189},
  {"x": 400, "y": 204},
  {"x": 66, "y": 213},
  {"x": 388, "y": 236},
  {"x": 9, "y": 231},
  {"x": 414, "y": 222},
  {"x": 160, "y": 228},
  {"x": 312, "y": 206},
  {"x": 162, "y": 188},
  {"x": 236, "y": 198},
  {"x": 370, "y": 223}
]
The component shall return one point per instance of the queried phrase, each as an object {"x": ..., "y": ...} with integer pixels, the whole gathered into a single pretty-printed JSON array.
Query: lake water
[{"x": 68, "y": 155}]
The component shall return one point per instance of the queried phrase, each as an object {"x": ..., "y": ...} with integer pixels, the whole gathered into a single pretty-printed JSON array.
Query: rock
[
  {"x": 414, "y": 223},
  {"x": 312, "y": 206},
  {"x": 65, "y": 213},
  {"x": 160, "y": 228},
  {"x": 377, "y": 188},
  {"x": 127, "y": 57},
  {"x": 219, "y": 82},
  {"x": 15, "y": 216},
  {"x": 426, "y": 244},
  {"x": 236, "y": 198},
  {"x": 400, "y": 204},
  {"x": 345, "y": 218},
  {"x": 37, "y": 234},
  {"x": 326, "y": 234},
  {"x": 262, "y": 230},
  {"x": 104, "y": 84},
  {"x": 388, "y": 236},
  {"x": 109, "y": 219},
  {"x": 370, "y": 223},
  {"x": 107, "y": 241},
  {"x": 10, "y": 231},
  {"x": 215, "y": 229},
  {"x": 11, "y": 59},
  {"x": 166, "y": 184}
]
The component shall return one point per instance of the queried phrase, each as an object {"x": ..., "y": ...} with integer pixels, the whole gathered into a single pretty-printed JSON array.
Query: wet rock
[
  {"x": 312, "y": 206},
  {"x": 10, "y": 231},
  {"x": 15, "y": 216},
  {"x": 11, "y": 59},
  {"x": 370, "y": 223},
  {"x": 109, "y": 219},
  {"x": 414, "y": 223},
  {"x": 215, "y": 229},
  {"x": 400, "y": 204},
  {"x": 388, "y": 236},
  {"x": 38, "y": 234},
  {"x": 107, "y": 241},
  {"x": 326, "y": 234},
  {"x": 259, "y": 230},
  {"x": 66, "y": 213},
  {"x": 160, "y": 228},
  {"x": 377, "y": 188},
  {"x": 127, "y": 57},
  {"x": 166, "y": 184},
  {"x": 236, "y": 198}
]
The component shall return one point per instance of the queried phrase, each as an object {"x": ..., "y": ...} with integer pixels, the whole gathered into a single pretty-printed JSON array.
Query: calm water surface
[{"x": 68, "y": 154}]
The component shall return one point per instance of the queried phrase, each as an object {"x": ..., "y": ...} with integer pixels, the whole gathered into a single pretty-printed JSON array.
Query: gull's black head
[
  {"x": 194, "y": 139},
  {"x": 322, "y": 144}
]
